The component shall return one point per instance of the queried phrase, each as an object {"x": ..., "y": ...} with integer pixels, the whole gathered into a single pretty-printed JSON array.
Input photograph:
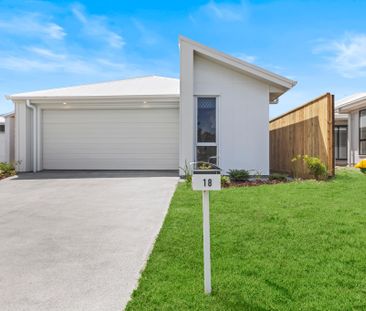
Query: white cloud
[
  {"x": 46, "y": 53},
  {"x": 346, "y": 55},
  {"x": 227, "y": 12},
  {"x": 148, "y": 37},
  {"x": 97, "y": 27},
  {"x": 245, "y": 57},
  {"x": 25, "y": 64},
  {"x": 34, "y": 25},
  {"x": 54, "y": 31},
  {"x": 46, "y": 61}
]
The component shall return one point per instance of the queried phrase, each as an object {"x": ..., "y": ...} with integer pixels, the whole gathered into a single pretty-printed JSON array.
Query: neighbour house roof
[
  {"x": 6, "y": 115},
  {"x": 350, "y": 103},
  {"x": 278, "y": 83},
  {"x": 340, "y": 116},
  {"x": 135, "y": 87},
  {"x": 9, "y": 114}
]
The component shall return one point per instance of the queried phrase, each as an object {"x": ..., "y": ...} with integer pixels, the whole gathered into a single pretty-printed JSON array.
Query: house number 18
[{"x": 207, "y": 182}]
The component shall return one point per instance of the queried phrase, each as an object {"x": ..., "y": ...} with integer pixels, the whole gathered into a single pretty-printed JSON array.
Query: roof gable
[
  {"x": 352, "y": 102},
  {"x": 279, "y": 83}
]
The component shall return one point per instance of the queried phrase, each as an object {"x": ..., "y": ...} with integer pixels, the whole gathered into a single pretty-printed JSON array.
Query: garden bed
[{"x": 253, "y": 183}]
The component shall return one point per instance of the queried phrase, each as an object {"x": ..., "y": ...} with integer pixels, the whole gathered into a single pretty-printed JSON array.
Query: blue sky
[{"x": 321, "y": 44}]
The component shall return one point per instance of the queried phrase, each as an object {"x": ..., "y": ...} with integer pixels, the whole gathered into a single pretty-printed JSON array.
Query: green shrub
[
  {"x": 316, "y": 167},
  {"x": 278, "y": 176},
  {"x": 238, "y": 175},
  {"x": 296, "y": 165},
  {"x": 225, "y": 181},
  {"x": 258, "y": 174},
  {"x": 205, "y": 166},
  {"x": 7, "y": 169}
]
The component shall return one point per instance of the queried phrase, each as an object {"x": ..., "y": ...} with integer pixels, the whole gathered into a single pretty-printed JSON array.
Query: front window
[
  {"x": 340, "y": 135},
  {"x": 2, "y": 128},
  {"x": 206, "y": 136},
  {"x": 363, "y": 132}
]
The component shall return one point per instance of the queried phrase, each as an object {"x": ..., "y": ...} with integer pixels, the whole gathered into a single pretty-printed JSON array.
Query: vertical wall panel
[{"x": 308, "y": 130}]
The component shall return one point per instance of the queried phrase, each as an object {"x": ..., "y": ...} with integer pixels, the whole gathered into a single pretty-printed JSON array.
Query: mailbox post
[{"x": 206, "y": 177}]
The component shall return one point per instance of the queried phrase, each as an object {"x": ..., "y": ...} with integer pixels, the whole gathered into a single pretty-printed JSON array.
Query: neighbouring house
[
  {"x": 350, "y": 129},
  {"x": 218, "y": 112},
  {"x": 2, "y": 139},
  {"x": 7, "y": 128}
]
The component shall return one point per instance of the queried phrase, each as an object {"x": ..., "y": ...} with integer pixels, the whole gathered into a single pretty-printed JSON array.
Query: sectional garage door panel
[{"x": 135, "y": 139}]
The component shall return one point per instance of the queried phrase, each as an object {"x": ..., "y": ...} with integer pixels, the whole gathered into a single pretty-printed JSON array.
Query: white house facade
[
  {"x": 350, "y": 129},
  {"x": 7, "y": 135},
  {"x": 2, "y": 139},
  {"x": 218, "y": 111}
]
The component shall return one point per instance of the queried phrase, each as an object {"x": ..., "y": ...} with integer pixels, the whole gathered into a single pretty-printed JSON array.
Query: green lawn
[{"x": 296, "y": 246}]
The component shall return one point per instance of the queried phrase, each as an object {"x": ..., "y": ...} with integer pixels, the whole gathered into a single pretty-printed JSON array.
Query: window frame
[
  {"x": 2, "y": 126},
  {"x": 206, "y": 144},
  {"x": 337, "y": 147},
  {"x": 360, "y": 140}
]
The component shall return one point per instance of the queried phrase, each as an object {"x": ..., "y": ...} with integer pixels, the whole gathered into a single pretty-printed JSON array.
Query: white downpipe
[
  {"x": 34, "y": 137},
  {"x": 349, "y": 140}
]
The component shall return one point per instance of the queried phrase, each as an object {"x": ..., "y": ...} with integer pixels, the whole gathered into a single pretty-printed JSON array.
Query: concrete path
[{"x": 77, "y": 240}]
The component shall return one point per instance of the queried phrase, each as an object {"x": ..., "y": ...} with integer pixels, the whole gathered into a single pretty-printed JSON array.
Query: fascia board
[{"x": 58, "y": 99}]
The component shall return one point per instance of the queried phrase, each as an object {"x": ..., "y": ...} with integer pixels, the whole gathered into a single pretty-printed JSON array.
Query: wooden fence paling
[{"x": 308, "y": 130}]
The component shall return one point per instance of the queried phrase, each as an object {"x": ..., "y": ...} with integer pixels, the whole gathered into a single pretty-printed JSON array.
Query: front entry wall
[{"x": 243, "y": 113}]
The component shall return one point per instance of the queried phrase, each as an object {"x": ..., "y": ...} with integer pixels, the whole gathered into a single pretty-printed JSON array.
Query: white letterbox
[
  {"x": 206, "y": 176},
  {"x": 206, "y": 182}
]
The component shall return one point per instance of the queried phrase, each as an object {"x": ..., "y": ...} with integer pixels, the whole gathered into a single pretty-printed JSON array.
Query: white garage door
[{"x": 110, "y": 139}]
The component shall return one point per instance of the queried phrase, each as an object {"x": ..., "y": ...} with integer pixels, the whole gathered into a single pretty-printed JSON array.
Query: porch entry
[{"x": 340, "y": 142}]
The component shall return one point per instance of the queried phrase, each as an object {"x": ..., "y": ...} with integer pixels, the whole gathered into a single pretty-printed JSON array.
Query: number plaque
[{"x": 206, "y": 182}]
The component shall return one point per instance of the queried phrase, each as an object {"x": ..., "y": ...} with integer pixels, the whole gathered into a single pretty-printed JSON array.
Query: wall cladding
[{"x": 308, "y": 130}]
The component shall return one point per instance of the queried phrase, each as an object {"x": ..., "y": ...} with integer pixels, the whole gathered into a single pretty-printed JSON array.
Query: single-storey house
[
  {"x": 7, "y": 127},
  {"x": 350, "y": 129},
  {"x": 2, "y": 139},
  {"x": 218, "y": 111}
]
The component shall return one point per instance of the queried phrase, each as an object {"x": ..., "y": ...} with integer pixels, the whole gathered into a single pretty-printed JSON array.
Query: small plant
[
  {"x": 7, "y": 169},
  {"x": 362, "y": 166},
  {"x": 225, "y": 181},
  {"x": 205, "y": 166},
  {"x": 316, "y": 167},
  {"x": 187, "y": 173},
  {"x": 296, "y": 165},
  {"x": 278, "y": 176},
  {"x": 238, "y": 175},
  {"x": 258, "y": 175}
]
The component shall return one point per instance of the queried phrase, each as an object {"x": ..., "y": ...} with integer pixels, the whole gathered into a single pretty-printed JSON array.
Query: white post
[
  {"x": 206, "y": 240},
  {"x": 349, "y": 140}
]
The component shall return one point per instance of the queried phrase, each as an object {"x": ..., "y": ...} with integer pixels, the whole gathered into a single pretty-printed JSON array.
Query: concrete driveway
[{"x": 77, "y": 240}]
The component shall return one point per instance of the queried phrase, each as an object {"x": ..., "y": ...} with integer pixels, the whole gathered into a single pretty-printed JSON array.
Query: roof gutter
[
  {"x": 34, "y": 138},
  {"x": 172, "y": 97}
]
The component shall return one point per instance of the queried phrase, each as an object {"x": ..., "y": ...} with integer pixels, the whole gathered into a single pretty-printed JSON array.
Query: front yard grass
[{"x": 295, "y": 246}]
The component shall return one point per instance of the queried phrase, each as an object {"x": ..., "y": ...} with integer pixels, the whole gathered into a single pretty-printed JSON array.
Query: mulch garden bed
[{"x": 253, "y": 183}]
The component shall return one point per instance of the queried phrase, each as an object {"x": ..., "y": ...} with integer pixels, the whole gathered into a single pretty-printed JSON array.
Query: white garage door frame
[{"x": 67, "y": 104}]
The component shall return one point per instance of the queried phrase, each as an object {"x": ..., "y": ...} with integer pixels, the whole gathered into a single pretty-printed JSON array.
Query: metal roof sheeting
[{"x": 141, "y": 86}]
